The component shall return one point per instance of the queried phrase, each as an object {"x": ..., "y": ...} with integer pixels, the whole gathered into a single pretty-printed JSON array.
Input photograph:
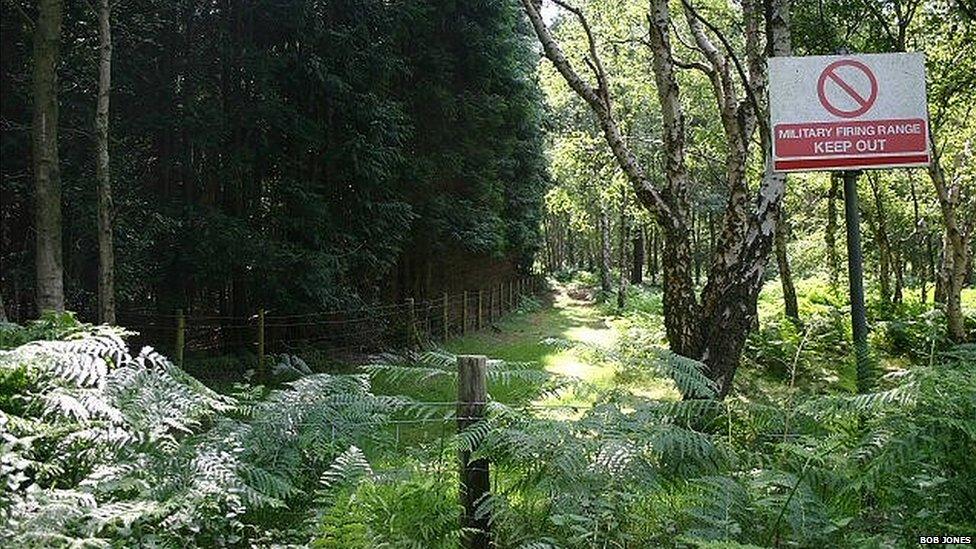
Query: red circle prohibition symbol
[{"x": 865, "y": 103}]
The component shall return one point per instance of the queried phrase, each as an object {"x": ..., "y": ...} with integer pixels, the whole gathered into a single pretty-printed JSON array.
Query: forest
[{"x": 491, "y": 273}]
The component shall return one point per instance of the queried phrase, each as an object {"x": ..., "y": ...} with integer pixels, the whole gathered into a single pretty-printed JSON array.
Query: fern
[
  {"x": 103, "y": 447},
  {"x": 106, "y": 442},
  {"x": 348, "y": 467}
]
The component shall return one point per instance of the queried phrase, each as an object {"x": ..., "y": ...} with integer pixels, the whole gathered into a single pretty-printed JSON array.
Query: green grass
[
  {"x": 517, "y": 337},
  {"x": 521, "y": 337}
]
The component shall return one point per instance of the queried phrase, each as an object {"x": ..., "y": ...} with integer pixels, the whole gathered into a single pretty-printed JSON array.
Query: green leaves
[
  {"x": 112, "y": 443},
  {"x": 141, "y": 452}
]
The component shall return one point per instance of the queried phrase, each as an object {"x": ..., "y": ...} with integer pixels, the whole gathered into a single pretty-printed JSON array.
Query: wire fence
[{"x": 365, "y": 329}]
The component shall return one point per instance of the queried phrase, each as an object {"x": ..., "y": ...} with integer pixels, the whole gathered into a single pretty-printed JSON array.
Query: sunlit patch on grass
[
  {"x": 603, "y": 336},
  {"x": 520, "y": 338},
  {"x": 568, "y": 363},
  {"x": 657, "y": 389}
]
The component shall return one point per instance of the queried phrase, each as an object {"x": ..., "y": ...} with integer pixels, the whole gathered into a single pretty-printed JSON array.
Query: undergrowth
[{"x": 102, "y": 446}]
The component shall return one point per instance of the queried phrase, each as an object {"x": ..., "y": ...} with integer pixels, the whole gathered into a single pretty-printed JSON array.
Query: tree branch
[
  {"x": 20, "y": 10},
  {"x": 595, "y": 64},
  {"x": 760, "y": 118},
  {"x": 599, "y": 101},
  {"x": 694, "y": 65}
]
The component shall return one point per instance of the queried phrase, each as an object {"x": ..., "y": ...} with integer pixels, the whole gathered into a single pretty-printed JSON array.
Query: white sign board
[{"x": 848, "y": 112}]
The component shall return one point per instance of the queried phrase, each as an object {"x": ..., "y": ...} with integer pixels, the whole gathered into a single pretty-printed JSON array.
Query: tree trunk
[
  {"x": 939, "y": 273},
  {"x": 106, "y": 248},
  {"x": 881, "y": 240},
  {"x": 681, "y": 309},
  {"x": 830, "y": 232},
  {"x": 696, "y": 246},
  {"x": 923, "y": 288},
  {"x": 955, "y": 251},
  {"x": 970, "y": 274},
  {"x": 936, "y": 270},
  {"x": 897, "y": 296},
  {"x": 637, "y": 268},
  {"x": 605, "y": 256},
  {"x": 728, "y": 309},
  {"x": 47, "y": 176},
  {"x": 622, "y": 287},
  {"x": 654, "y": 254},
  {"x": 919, "y": 259},
  {"x": 785, "y": 274}
]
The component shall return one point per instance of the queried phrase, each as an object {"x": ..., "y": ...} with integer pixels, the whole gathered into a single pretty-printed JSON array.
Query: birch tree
[
  {"x": 790, "y": 305},
  {"x": 951, "y": 66},
  {"x": 955, "y": 258}
]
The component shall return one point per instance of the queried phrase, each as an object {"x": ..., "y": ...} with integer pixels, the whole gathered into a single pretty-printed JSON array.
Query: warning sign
[{"x": 848, "y": 112}]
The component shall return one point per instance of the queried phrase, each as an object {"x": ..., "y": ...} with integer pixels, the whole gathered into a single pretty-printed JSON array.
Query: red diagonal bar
[{"x": 847, "y": 87}]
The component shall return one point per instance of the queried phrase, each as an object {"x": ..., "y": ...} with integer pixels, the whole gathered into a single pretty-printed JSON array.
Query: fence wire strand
[{"x": 364, "y": 327}]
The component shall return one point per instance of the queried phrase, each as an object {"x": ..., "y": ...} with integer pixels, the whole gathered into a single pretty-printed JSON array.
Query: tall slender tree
[
  {"x": 622, "y": 249},
  {"x": 790, "y": 305},
  {"x": 604, "y": 222},
  {"x": 637, "y": 266},
  {"x": 47, "y": 177},
  {"x": 830, "y": 232},
  {"x": 106, "y": 248},
  {"x": 955, "y": 253},
  {"x": 877, "y": 220}
]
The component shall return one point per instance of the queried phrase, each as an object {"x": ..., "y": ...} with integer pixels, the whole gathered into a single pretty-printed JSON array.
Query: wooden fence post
[
  {"x": 180, "y": 336},
  {"x": 491, "y": 304},
  {"x": 446, "y": 326},
  {"x": 262, "y": 365},
  {"x": 511, "y": 295},
  {"x": 472, "y": 394},
  {"x": 464, "y": 312},
  {"x": 480, "y": 300},
  {"x": 411, "y": 323}
]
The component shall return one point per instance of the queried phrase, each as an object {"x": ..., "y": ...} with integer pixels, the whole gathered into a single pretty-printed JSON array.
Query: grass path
[{"x": 566, "y": 314}]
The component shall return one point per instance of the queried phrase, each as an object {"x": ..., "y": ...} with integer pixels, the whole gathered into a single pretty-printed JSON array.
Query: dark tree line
[{"x": 295, "y": 155}]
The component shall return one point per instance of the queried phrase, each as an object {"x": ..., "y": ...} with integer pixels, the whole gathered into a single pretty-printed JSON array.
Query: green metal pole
[{"x": 855, "y": 272}]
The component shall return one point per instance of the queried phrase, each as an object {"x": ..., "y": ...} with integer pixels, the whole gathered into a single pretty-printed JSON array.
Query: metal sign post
[
  {"x": 855, "y": 273},
  {"x": 848, "y": 113}
]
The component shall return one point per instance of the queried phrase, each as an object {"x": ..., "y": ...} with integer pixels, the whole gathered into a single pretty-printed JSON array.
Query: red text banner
[{"x": 823, "y": 139}]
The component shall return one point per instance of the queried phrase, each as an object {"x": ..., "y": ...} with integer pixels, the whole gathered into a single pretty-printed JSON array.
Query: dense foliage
[
  {"x": 297, "y": 155},
  {"x": 104, "y": 447},
  {"x": 99, "y": 444},
  {"x": 902, "y": 221},
  {"x": 302, "y": 155}
]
